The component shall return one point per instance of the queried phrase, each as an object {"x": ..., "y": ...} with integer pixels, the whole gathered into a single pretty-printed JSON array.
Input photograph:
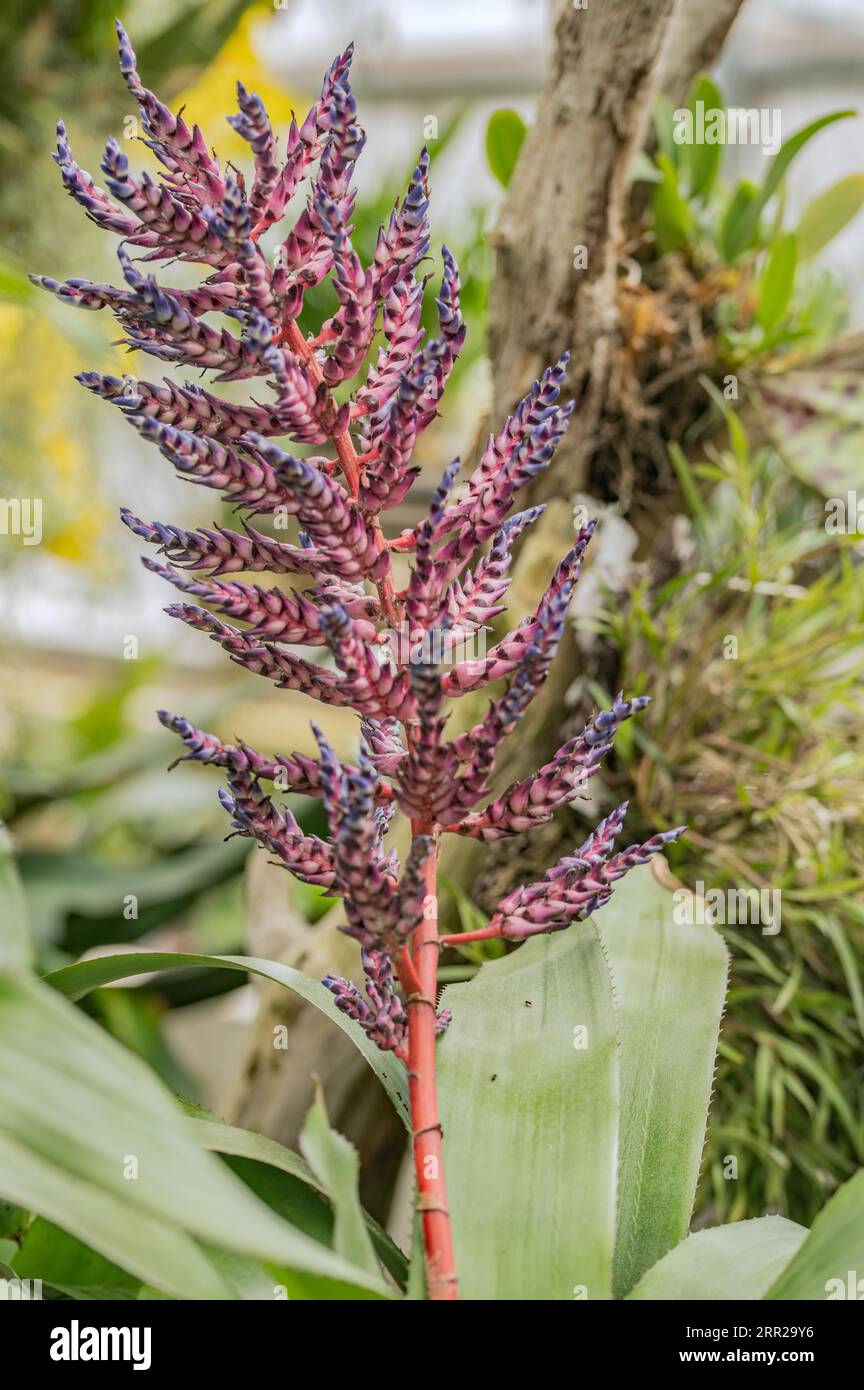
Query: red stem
[
  {"x": 482, "y": 934},
  {"x": 418, "y": 971},
  {"x": 419, "y": 977}
]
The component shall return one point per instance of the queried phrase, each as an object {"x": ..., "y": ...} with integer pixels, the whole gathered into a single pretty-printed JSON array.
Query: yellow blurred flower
[{"x": 213, "y": 94}]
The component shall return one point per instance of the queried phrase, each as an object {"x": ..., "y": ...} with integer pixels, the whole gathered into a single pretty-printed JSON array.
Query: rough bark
[
  {"x": 694, "y": 40},
  {"x": 569, "y": 191}
]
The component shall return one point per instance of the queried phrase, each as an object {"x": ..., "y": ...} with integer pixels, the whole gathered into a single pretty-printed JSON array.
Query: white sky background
[{"x": 416, "y": 58}]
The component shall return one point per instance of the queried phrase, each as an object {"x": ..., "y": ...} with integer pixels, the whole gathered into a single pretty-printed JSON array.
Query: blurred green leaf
[
  {"x": 826, "y": 215},
  {"x": 644, "y": 170},
  {"x": 673, "y": 216},
  {"x": 777, "y": 282},
  {"x": 744, "y": 232},
  {"x": 77, "y": 1116},
  {"x": 702, "y": 161},
  {"x": 15, "y": 287},
  {"x": 738, "y": 230},
  {"x": 664, "y": 128},
  {"x": 816, "y": 421},
  {"x": 504, "y": 136},
  {"x": 16, "y": 950}
]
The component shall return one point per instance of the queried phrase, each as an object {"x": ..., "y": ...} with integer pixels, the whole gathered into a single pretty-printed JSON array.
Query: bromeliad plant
[{"x": 350, "y": 603}]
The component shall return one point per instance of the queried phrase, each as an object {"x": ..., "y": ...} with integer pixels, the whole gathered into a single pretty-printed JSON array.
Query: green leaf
[
  {"x": 664, "y": 127},
  {"x": 52, "y": 1255},
  {"x": 530, "y": 1118},
  {"x": 78, "y": 1104},
  {"x": 670, "y": 985},
  {"x": 826, "y": 215},
  {"x": 77, "y": 980},
  {"x": 504, "y": 136},
  {"x": 749, "y": 222},
  {"x": 834, "y": 1246},
  {"x": 737, "y": 1262},
  {"x": 158, "y": 1253},
  {"x": 777, "y": 282},
  {"x": 16, "y": 951},
  {"x": 334, "y": 1162},
  {"x": 643, "y": 169},
  {"x": 247, "y": 1148},
  {"x": 15, "y": 287},
  {"x": 673, "y": 216},
  {"x": 736, "y": 233},
  {"x": 702, "y": 161}
]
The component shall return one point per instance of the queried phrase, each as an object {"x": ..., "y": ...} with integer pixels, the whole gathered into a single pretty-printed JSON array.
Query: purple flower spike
[{"x": 347, "y": 402}]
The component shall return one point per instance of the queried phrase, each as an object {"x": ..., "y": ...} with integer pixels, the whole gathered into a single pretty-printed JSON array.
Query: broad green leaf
[
  {"x": 158, "y": 1253},
  {"x": 670, "y": 983},
  {"x": 66, "y": 1263},
  {"x": 77, "y": 980},
  {"x": 529, "y": 1104},
  {"x": 777, "y": 282},
  {"x": 16, "y": 951},
  {"x": 335, "y": 1164},
  {"x": 702, "y": 161},
  {"x": 673, "y": 217},
  {"x": 833, "y": 1248},
  {"x": 747, "y": 228},
  {"x": 736, "y": 1262},
  {"x": 504, "y": 136},
  {"x": 826, "y": 215},
  {"x": 72, "y": 1098}
]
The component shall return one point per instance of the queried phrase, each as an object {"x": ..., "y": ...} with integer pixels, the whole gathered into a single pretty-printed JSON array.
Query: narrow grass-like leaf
[{"x": 529, "y": 1102}]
